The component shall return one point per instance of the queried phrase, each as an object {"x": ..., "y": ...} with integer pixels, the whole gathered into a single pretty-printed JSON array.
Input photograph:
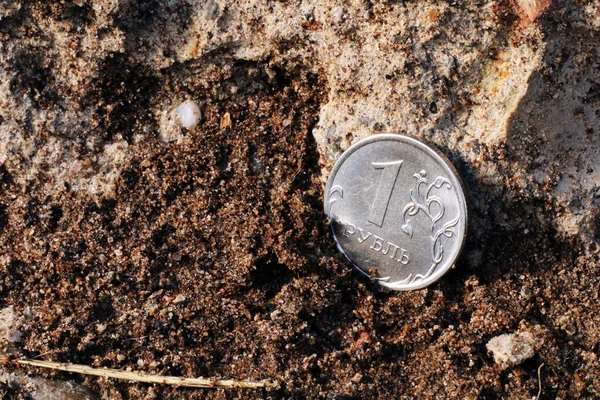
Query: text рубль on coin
[{"x": 375, "y": 243}]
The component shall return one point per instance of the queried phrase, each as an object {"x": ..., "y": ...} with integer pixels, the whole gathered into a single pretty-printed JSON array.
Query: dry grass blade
[
  {"x": 141, "y": 377},
  {"x": 539, "y": 381}
]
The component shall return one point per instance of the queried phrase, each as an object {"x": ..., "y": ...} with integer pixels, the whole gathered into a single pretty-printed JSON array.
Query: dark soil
[{"x": 234, "y": 224}]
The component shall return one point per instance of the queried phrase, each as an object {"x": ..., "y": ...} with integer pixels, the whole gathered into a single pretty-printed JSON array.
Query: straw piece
[{"x": 141, "y": 377}]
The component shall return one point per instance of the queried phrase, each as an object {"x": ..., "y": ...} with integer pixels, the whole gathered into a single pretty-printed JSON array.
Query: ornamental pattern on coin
[{"x": 397, "y": 209}]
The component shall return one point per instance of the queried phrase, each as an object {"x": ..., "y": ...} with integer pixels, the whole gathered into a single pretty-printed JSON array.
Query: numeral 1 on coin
[{"x": 384, "y": 190}]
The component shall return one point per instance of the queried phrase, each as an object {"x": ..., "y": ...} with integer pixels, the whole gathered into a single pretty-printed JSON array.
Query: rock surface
[
  {"x": 110, "y": 209},
  {"x": 36, "y": 388}
]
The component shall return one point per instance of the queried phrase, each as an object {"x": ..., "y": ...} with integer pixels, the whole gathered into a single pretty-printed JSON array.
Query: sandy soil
[{"x": 127, "y": 241}]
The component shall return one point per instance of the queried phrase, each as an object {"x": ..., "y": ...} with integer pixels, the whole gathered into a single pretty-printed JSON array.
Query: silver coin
[{"x": 397, "y": 209}]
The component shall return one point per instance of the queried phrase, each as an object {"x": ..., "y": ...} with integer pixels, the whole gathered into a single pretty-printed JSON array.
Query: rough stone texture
[
  {"x": 510, "y": 350},
  {"x": 9, "y": 326},
  {"x": 35, "y": 388},
  {"x": 134, "y": 243}
]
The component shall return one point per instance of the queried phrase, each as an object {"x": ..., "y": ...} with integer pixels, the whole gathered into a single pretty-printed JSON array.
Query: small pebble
[
  {"x": 179, "y": 299},
  {"x": 189, "y": 114},
  {"x": 357, "y": 378},
  {"x": 511, "y": 349}
]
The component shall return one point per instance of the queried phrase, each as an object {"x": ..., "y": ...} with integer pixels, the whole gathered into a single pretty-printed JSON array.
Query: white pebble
[
  {"x": 513, "y": 349},
  {"x": 189, "y": 114}
]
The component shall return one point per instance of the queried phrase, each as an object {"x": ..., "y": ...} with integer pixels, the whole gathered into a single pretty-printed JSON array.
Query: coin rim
[{"x": 436, "y": 154}]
